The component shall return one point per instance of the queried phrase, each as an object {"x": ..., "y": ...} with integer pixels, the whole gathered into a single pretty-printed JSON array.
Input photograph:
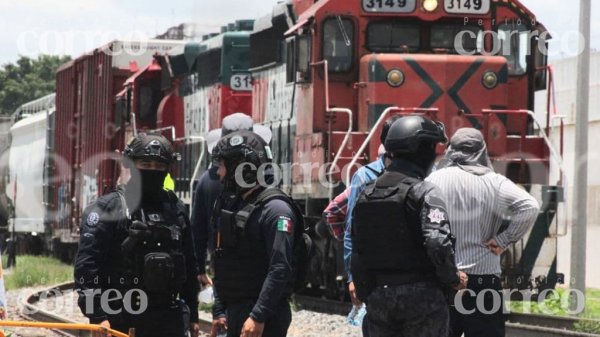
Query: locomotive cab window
[
  {"x": 513, "y": 42},
  {"x": 149, "y": 99},
  {"x": 209, "y": 67},
  {"x": 303, "y": 51},
  {"x": 457, "y": 38},
  {"x": 393, "y": 37},
  {"x": 338, "y": 44},
  {"x": 290, "y": 65}
]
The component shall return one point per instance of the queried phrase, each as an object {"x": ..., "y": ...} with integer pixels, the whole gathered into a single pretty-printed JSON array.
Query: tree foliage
[{"x": 27, "y": 79}]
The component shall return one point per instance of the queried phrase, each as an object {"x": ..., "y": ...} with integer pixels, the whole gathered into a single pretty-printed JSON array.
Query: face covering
[
  {"x": 468, "y": 151},
  {"x": 152, "y": 182}
]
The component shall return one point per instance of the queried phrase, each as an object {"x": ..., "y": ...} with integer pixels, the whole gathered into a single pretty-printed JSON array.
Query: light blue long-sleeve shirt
[{"x": 360, "y": 179}]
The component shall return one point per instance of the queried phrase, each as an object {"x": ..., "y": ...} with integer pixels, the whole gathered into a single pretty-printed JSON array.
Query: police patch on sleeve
[
  {"x": 93, "y": 219},
  {"x": 284, "y": 224},
  {"x": 436, "y": 216}
]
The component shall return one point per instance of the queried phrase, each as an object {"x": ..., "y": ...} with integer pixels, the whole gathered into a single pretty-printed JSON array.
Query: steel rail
[{"x": 64, "y": 326}]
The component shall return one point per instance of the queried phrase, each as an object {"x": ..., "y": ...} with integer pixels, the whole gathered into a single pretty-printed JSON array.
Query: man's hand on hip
[{"x": 494, "y": 247}]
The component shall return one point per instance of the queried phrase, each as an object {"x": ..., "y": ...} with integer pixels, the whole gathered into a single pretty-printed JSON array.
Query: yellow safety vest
[{"x": 169, "y": 183}]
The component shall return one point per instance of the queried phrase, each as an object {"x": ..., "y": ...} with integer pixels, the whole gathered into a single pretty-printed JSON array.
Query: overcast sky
[{"x": 29, "y": 27}]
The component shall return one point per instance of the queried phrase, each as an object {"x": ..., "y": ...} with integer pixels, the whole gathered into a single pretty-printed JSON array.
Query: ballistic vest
[
  {"x": 241, "y": 261},
  {"x": 385, "y": 242},
  {"x": 157, "y": 257}
]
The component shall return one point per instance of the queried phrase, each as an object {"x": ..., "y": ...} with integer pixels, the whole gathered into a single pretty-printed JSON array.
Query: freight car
[
  {"x": 24, "y": 167},
  {"x": 89, "y": 128}
]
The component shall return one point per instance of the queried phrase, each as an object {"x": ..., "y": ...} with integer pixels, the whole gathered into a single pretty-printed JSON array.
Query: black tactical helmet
[
  {"x": 151, "y": 146},
  {"x": 239, "y": 148},
  {"x": 408, "y": 133}
]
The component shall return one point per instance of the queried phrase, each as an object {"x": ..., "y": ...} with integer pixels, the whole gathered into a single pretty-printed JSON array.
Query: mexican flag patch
[{"x": 284, "y": 225}]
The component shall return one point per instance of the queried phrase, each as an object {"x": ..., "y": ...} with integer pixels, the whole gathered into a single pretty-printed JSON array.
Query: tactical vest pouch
[
  {"x": 227, "y": 230},
  {"x": 159, "y": 270},
  {"x": 180, "y": 270}
]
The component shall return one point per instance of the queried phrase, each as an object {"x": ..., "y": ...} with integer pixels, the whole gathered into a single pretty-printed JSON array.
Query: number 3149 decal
[
  {"x": 467, "y": 6},
  {"x": 389, "y": 6}
]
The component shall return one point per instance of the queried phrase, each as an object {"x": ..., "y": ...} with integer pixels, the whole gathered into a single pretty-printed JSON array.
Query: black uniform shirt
[
  {"x": 274, "y": 224},
  {"x": 206, "y": 193}
]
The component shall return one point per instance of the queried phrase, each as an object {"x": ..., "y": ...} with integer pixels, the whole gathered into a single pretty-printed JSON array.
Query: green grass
[
  {"x": 558, "y": 306},
  {"x": 34, "y": 271}
]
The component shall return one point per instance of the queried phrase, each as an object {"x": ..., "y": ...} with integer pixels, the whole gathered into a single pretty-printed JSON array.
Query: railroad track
[
  {"x": 29, "y": 310},
  {"x": 518, "y": 325}
]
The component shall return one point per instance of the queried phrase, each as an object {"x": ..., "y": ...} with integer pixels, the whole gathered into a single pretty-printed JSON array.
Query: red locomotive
[{"x": 329, "y": 81}]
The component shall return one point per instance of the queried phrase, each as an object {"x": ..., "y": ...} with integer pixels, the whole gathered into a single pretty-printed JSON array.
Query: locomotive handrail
[
  {"x": 342, "y": 146},
  {"x": 134, "y": 124},
  {"x": 172, "y": 128},
  {"x": 562, "y": 131},
  {"x": 328, "y": 109},
  {"x": 263, "y": 67},
  {"x": 198, "y": 163},
  {"x": 382, "y": 118},
  {"x": 549, "y": 144},
  {"x": 326, "y": 79}
]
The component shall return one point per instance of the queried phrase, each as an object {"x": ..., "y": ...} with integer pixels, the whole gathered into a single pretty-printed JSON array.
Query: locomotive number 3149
[
  {"x": 467, "y": 6},
  {"x": 389, "y": 6}
]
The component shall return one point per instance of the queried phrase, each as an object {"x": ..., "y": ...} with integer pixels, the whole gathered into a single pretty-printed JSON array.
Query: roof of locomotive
[{"x": 312, "y": 11}]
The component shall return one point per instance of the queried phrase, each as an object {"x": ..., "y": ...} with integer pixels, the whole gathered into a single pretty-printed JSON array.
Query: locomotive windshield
[
  {"x": 338, "y": 46},
  {"x": 449, "y": 36},
  {"x": 513, "y": 42},
  {"x": 393, "y": 37}
]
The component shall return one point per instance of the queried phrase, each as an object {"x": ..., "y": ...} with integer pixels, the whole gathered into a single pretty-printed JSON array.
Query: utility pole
[{"x": 579, "y": 231}]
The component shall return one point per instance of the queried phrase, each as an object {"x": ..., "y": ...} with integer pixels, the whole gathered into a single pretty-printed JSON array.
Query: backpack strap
[{"x": 125, "y": 218}]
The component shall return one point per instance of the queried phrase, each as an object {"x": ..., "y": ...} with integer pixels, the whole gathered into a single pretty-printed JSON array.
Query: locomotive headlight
[
  {"x": 430, "y": 5},
  {"x": 395, "y": 78},
  {"x": 489, "y": 80}
]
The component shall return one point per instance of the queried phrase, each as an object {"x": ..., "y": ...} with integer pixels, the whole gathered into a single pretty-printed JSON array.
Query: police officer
[
  {"x": 255, "y": 234},
  {"x": 209, "y": 188},
  {"x": 135, "y": 267},
  {"x": 402, "y": 255}
]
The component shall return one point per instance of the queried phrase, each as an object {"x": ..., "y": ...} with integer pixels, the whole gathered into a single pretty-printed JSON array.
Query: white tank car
[{"x": 26, "y": 162}]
